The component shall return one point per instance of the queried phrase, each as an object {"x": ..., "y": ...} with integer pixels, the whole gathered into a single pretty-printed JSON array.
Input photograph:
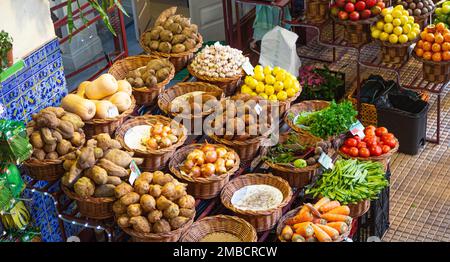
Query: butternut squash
[
  {"x": 105, "y": 85},
  {"x": 124, "y": 86},
  {"x": 122, "y": 100},
  {"x": 84, "y": 108},
  {"x": 105, "y": 109},
  {"x": 81, "y": 91}
]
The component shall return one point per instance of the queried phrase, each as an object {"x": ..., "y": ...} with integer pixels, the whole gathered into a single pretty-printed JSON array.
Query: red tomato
[
  {"x": 364, "y": 152},
  {"x": 387, "y": 136},
  {"x": 357, "y": 138},
  {"x": 369, "y": 132},
  {"x": 351, "y": 142},
  {"x": 370, "y": 140},
  {"x": 381, "y": 131},
  {"x": 361, "y": 145},
  {"x": 369, "y": 128},
  {"x": 391, "y": 142},
  {"x": 385, "y": 149},
  {"x": 381, "y": 143},
  {"x": 378, "y": 139},
  {"x": 345, "y": 149},
  {"x": 375, "y": 151},
  {"x": 354, "y": 151}
]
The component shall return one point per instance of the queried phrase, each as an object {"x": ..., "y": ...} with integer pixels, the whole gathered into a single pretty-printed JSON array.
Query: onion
[
  {"x": 151, "y": 143},
  {"x": 164, "y": 134},
  {"x": 211, "y": 156},
  {"x": 208, "y": 147},
  {"x": 220, "y": 166},
  {"x": 208, "y": 170},
  {"x": 221, "y": 152},
  {"x": 189, "y": 164},
  {"x": 167, "y": 129},
  {"x": 230, "y": 156},
  {"x": 157, "y": 129},
  {"x": 173, "y": 138},
  {"x": 165, "y": 142},
  {"x": 199, "y": 160},
  {"x": 229, "y": 164},
  {"x": 196, "y": 171}
]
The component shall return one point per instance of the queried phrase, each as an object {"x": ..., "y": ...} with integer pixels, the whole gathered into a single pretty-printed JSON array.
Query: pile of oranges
[{"x": 434, "y": 43}]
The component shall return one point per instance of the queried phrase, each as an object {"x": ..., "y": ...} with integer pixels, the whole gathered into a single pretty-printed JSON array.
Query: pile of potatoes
[
  {"x": 172, "y": 34},
  {"x": 54, "y": 133},
  {"x": 156, "y": 71},
  {"x": 194, "y": 103},
  {"x": 156, "y": 203},
  {"x": 96, "y": 169}
]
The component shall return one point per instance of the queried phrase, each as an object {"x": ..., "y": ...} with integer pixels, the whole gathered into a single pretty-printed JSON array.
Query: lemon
[
  {"x": 278, "y": 86},
  {"x": 398, "y": 8},
  {"x": 372, "y": 28},
  {"x": 393, "y": 38},
  {"x": 246, "y": 89},
  {"x": 248, "y": 80},
  {"x": 384, "y": 36},
  {"x": 273, "y": 98},
  {"x": 254, "y": 94},
  {"x": 416, "y": 30},
  {"x": 282, "y": 95},
  {"x": 290, "y": 92},
  {"x": 380, "y": 25},
  {"x": 258, "y": 68},
  {"x": 260, "y": 87},
  {"x": 263, "y": 95},
  {"x": 281, "y": 76},
  {"x": 412, "y": 36},
  {"x": 388, "y": 28},
  {"x": 267, "y": 70},
  {"x": 269, "y": 90},
  {"x": 404, "y": 19},
  {"x": 411, "y": 19},
  {"x": 386, "y": 11},
  {"x": 405, "y": 13},
  {"x": 407, "y": 28},
  {"x": 403, "y": 39},
  {"x": 270, "y": 79},
  {"x": 396, "y": 22},
  {"x": 388, "y": 18},
  {"x": 259, "y": 76},
  {"x": 376, "y": 33},
  {"x": 396, "y": 13},
  {"x": 297, "y": 86},
  {"x": 260, "y": 84},
  {"x": 398, "y": 30},
  {"x": 415, "y": 25},
  {"x": 288, "y": 82},
  {"x": 276, "y": 70}
]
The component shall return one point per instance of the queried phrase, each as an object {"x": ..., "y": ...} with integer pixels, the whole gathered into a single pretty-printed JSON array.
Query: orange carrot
[
  {"x": 321, "y": 202},
  {"x": 287, "y": 233},
  {"x": 297, "y": 238},
  {"x": 328, "y": 206},
  {"x": 333, "y": 233},
  {"x": 302, "y": 216},
  {"x": 317, "y": 220},
  {"x": 342, "y": 227},
  {"x": 313, "y": 210},
  {"x": 305, "y": 229},
  {"x": 337, "y": 218},
  {"x": 321, "y": 235},
  {"x": 341, "y": 210}
]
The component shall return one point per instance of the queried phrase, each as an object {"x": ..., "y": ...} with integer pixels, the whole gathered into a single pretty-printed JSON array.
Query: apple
[
  {"x": 376, "y": 10},
  {"x": 371, "y": 3},
  {"x": 342, "y": 15},
  {"x": 354, "y": 16},
  {"x": 334, "y": 10},
  {"x": 381, "y": 4},
  {"x": 340, "y": 3},
  {"x": 360, "y": 5},
  {"x": 349, "y": 7},
  {"x": 365, "y": 14}
]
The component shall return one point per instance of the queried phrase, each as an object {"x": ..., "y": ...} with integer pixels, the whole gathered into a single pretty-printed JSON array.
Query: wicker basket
[
  {"x": 92, "y": 207},
  {"x": 143, "y": 95},
  {"x": 435, "y": 72},
  {"x": 357, "y": 33},
  {"x": 261, "y": 220},
  {"x": 220, "y": 224},
  {"x": 359, "y": 209},
  {"x": 201, "y": 187},
  {"x": 108, "y": 125},
  {"x": 246, "y": 150},
  {"x": 282, "y": 106},
  {"x": 424, "y": 19},
  {"x": 168, "y": 95},
  {"x": 153, "y": 159},
  {"x": 46, "y": 170},
  {"x": 228, "y": 85},
  {"x": 317, "y": 10},
  {"x": 292, "y": 213},
  {"x": 172, "y": 236},
  {"x": 394, "y": 53}
]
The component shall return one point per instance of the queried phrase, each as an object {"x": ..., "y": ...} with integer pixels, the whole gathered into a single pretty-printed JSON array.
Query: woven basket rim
[
  {"x": 203, "y": 180},
  {"x": 124, "y": 114},
  {"x": 170, "y": 55},
  {"x": 294, "y": 170},
  {"x": 430, "y": 62},
  {"x": 256, "y": 176},
  {"x": 370, "y": 158},
  {"x": 94, "y": 200},
  {"x": 214, "y": 79},
  {"x": 211, "y": 220},
  {"x": 359, "y": 22},
  {"x": 387, "y": 44},
  {"x": 122, "y": 130}
]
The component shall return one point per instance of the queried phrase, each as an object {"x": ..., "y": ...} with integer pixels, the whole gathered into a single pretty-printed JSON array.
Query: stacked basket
[{"x": 317, "y": 10}]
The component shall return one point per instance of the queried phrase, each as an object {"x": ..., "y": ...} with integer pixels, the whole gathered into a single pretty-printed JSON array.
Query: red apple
[
  {"x": 381, "y": 4},
  {"x": 334, "y": 10},
  {"x": 349, "y": 7},
  {"x": 360, "y": 5},
  {"x": 340, "y": 3},
  {"x": 371, "y": 3},
  {"x": 376, "y": 10},
  {"x": 342, "y": 15},
  {"x": 365, "y": 14},
  {"x": 354, "y": 16}
]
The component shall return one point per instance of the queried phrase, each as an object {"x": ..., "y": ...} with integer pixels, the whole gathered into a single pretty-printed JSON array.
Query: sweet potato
[
  {"x": 140, "y": 224},
  {"x": 118, "y": 157},
  {"x": 161, "y": 179},
  {"x": 162, "y": 203},
  {"x": 97, "y": 174},
  {"x": 111, "y": 168},
  {"x": 178, "y": 222},
  {"x": 187, "y": 212},
  {"x": 155, "y": 191},
  {"x": 172, "y": 211},
  {"x": 66, "y": 129},
  {"x": 84, "y": 187},
  {"x": 186, "y": 201},
  {"x": 113, "y": 180},
  {"x": 161, "y": 226},
  {"x": 154, "y": 216},
  {"x": 146, "y": 176},
  {"x": 63, "y": 147},
  {"x": 106, "y": 190},
  {"x": 39, "y": 154},
  {"x": 46, "y": 119},
  {"x": 105, "y": 142},
  {"x": 73, "y": 175},
  {"x": 57, "y": 135},
  {"x": 134, "y": 210},
  {"x": 47, "y": 136},
  {"x": 122, "y": 189},
  {"x": 36, "y": 140},
  {"x": 86, "y": 159},
  {"x": 130, "y": 198},
  {"x": 141, "y": 186},
  {"x": 57, "y": 111},
  {"x": 48, "y": 148},
  {"x": 52, "y": 156},
  {"x": 148, "y": 203}
]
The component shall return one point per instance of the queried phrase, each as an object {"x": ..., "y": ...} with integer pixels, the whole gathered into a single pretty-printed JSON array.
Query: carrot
[
  {"x": 341, "y": 210},
  {"x": 342, "y": 227},
  {"x": 333, "y": 233},
  {"x": 305, "y": 229},
  {"x": 321, "y": 235},
  {"x": 337, "y": 218},
  {"x": 321, "y": 202},
  {"x": 287, "y": 233},
  {"x": 317, "y": 220},
  {"x": 328, "y": 206},
  {"x": 311, "y": 239},
  {"x": 313, "y": 210},
  {"x": 302, "y": 216},
  {"x": 298, "y": 238}
]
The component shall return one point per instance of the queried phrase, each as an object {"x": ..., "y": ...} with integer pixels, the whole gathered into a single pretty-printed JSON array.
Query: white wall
[{"x": 28, "y": 22}]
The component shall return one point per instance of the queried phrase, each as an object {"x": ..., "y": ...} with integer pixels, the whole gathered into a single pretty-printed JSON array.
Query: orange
[
  {"x": 419, "y": 52},
  {"x": 445, "y": 46},
  {"x": 446, "y": 55},
  {"x": 446, "y": 31},
  {"x": 430, "y": 37},
  {"x": 419, "y": 43},
  {"x": 436, "y": 57},
  {"x": 426, "y": 46},
  {"x": 440, "y": 27},
  {"x": 436, "y": 47},
  {"x": 423, "y": 35},
  {"x": 427, "y": 55},
  {"x": 438, "y": 38},
  {"x": 447, "y": 37}
]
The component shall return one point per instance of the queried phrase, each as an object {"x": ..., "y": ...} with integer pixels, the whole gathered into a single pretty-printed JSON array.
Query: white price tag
[
  {"x": 135, "y": 172},
  {"x": 357, "y": 129},
  {"x": 258, "y": 109},
  {"x": 326, "y": 161},
  {"x": 248, "y": 68}
]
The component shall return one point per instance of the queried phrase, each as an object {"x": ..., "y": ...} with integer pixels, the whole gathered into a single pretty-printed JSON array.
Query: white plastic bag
[{"x": 278, "y": 48}]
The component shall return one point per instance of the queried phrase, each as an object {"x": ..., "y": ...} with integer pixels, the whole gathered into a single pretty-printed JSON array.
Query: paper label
[
  {"x": 248, "y": 68},
  {"x": 135, "y": 172},
  {"x": 326, "y": 161},
  {"x": 258, "y": 109},
  {"x": 357, "y": 129}
]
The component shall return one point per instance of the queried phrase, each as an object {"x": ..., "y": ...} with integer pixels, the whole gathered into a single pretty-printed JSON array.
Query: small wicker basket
[
  {"x": 201, "y": 187},
  {"x": 92, "y": 207},
  {"x": 220, "y": 224},
  {"x": 228, "y": 85},
  {"x": 46, "y": 170},
  {"x": 359, "y": 209},
  {"x": 153, "y": 159},
  {"x": 394, "y": 53},
  {"x": 435, "y": 72},
  {"x": 143, "y": 95},
  {"x": 246, "y": 149},
  {"x": 261, "y": 220},
  {"x": 357, "y": 33},
  {"x": 317, "y": 10}
]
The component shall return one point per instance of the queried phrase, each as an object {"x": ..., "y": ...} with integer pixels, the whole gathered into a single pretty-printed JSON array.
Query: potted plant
[{"x": 6, "y": 50}]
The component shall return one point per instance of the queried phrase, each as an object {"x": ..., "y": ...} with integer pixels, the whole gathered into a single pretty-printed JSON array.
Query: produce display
[
  {"x": 434, "y": 43},
  {"x": 395, "y": 26},
  {"x": 377, "y": 142},
  {"x": 351, "y": 181},
  {"x": 273, "y": 84},
  {"x": 156, "y": 203},
  {"x": 356, "y": 10},
  {"x": 324, "y": 221},
  {"x": 54, "y": 133},
  {"x": 103, "y": 98},
  {"x": 257, "y": 197},
  {"x": 320, "y": 83},
  {"x": 172, "y": 34},
  {"x": 219, "y": 61},
  {"x": 209, "y": 160},
  {"x": 193, "y": 103},
  {"x": 416, "y": 7},
  {"x": 156, "y": 71},
  {"x": 442, "y": 14}
]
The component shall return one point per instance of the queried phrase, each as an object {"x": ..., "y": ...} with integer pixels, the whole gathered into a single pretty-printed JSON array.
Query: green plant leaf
[
  {"x": 103, "y": 15},
  {"x": 70, "y": 24},
  {"x": 119, "y": 5},
  {"x": 83, "y": 18}
]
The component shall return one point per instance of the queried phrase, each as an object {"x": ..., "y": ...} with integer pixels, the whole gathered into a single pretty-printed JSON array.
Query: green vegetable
[
  {"x": 285, "y": 153},
  {"x": 351, "y": 181},
  {"x": 300, "y": 163}
]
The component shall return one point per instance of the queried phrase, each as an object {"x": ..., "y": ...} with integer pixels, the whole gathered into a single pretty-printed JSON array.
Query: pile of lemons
[
  {"x": 395, "y": 26},
  {"x": 273, "y": 84}
]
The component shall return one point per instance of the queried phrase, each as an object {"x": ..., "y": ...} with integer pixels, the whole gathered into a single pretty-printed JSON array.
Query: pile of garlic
[{"x": 219, "y": 61}]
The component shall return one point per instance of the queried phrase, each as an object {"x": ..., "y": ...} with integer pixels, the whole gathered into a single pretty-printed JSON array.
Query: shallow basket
[
  {"x": 292, "y": 213},
  {"x": 359, "y": 209},
  {"x": 435, "y": 72},
  {"x": 317, "y": 10},
  {"x": 201, "y": 187},
  {"x": 154, "y": 160},
  {"x": 143, "y": 95},
  {"x": 92, "y": 207},
  {"x": 228, "y": 85},
  {"x": 394, "y": 53},
  {"x": 357, "y": 33},
  {"x": 261, "y": 220},
  {"x": 47, "y": 170},
  {"x": 220, "y": 224}
]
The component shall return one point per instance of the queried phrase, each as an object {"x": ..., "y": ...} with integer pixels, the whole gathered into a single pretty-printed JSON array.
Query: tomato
[
  {"x": 387, "y": 136},
  {"x": 361, "y": 145},
  {"x": 385, "y": 149},
  {"x": 364, "y": 152},
  {"x": 391, "y": 142},
  {"x": 354, "y": 151},
  {"x": 369, "y": 132},
  {"x": 357, "y": 138},
  {"x": 345, "y": 149},
  {"x": 370, "y": 128},
  {"x": 375, "y": 150},
  {"x": 381, "y": 131},
  {"x": 351, "y": 142},
  {"x": 370, "y": 140},
  {"x": 378, "y": 139}
]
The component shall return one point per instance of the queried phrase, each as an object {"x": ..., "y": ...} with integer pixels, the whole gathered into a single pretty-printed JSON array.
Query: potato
[
  {"x": 48, "y": 148},
  {"x": 154, "y": 216},
  {"x": 112, "y": 169},
  {"x": 130, "y": 198},
  {"x": 141, "y": 186},
  {"x": 138, "y": 82},
  {"x": 161, "y": 226},
  {"x": 57, "y": 111},
  {"x": 148, "y": 203},
  {"x": 172, "y": 211},
  {"x": 52, "y": 156},
  {"x": 73, "y": 175},
  {"x": 64, "y": 147},
  {"x": 36, "y": 140},
  {"x": 175, "y": 28},
  {"x": 161, "y": 179},
  {"x": 105, "y": 142},
  {"x": 178, "y": 222},
  {"x": 84, "y": 187},
  {"x": 77, "y": 140},
  {"x": 165, "y": 47},
  {"x": 134, "y": 210},
  {"x": 140, "y": 224},
  {"x": 155, "y": 191},
  {"x": 113, "y": 180},
  {"x": 167, "y": 23},
  {"x": 187, "y": 212},
  {"x": 186, "y": 201},
  {"x": 123, "y": 221},
  {"x": 66, "y": 129},
  {"x": 194, "y": 28},
  {"x": 166, "y": 36},
  {"x": 162, "y": 203},
  {"x": 154, "y": 45},
  {"x": 178, "y": 48},
  {"x": 146, "y": 176},
  {"x": 122, "y": 190},
  {"x": 168, "y": 190},
  {"x": 46, "y": 119},
  {"x": 67, "y": 164},
  {"x": 155, "y": 64},
  {"x": 178, "y": 39},
  {"x": 71, "y": 156},
  {"x": 154, "y": 34},
  {"x": 98, "y": 152},
  {"x": 185, "y": 22},
  {"x": 119, "y": 208},
  {"x": 97, "y": 174},
  {"x": 151, "y": 81},
  {"x": 104, "y": 191},
  {"x": 86, "y": 159},
  {"x": 162, "y": 74},
  {"x": 119, "y": 157},
  {"x": 180, "y": 190}
]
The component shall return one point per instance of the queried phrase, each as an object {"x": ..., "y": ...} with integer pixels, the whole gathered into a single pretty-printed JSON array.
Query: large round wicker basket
[
  {"x": 228, "y": 85},
  {"x": 394, "y": 53},
  {"x": 356, "y": 33},
  {"x": 435, "y": 72}
]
